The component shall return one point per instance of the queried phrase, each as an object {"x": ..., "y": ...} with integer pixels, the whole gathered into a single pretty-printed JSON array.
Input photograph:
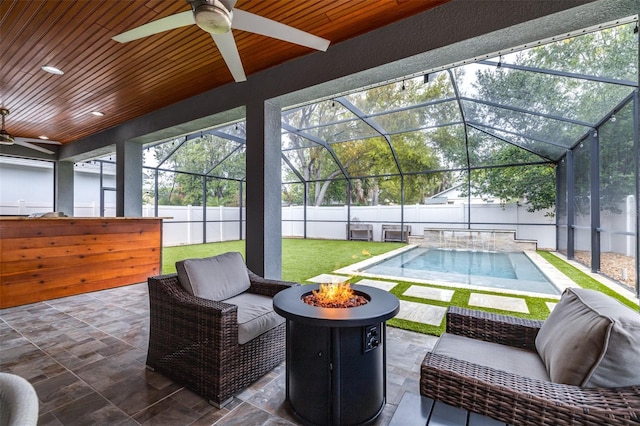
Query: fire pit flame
[{"x": 339, "y": 295}]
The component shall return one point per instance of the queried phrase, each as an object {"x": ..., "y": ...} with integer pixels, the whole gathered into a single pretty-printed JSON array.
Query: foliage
[
  {"x": 368, "y": 165},
  {"x": 512, "y": 184},
  {"x": 404, "y": 142},
  {"x": 609, "y": 53},
  {"x": 617, "y": 173},
  {"x": 221, "y": 160}
]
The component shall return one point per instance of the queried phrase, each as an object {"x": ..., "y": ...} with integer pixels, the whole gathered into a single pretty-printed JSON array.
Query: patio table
[{"x": 418, "y": 410}]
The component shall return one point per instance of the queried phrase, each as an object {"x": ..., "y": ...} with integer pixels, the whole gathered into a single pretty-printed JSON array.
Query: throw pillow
[{"x": 591, "y": 340}]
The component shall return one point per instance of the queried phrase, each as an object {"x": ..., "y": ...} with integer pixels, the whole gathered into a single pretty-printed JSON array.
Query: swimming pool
[{"x": 501, "y": 270}]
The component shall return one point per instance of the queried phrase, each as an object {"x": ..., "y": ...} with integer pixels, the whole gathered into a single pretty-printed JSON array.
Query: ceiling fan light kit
[
  {"x": 213, "y": 17},
  {"x": 5, "y": 138}
]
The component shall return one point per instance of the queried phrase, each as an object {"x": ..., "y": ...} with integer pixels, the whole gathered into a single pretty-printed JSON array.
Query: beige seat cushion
[
  {"x": 591, "y": 340},
  {"x": 214, "y": 278},
  {"x": 255, "y": 315},
  {"x": 501, "y": 357}
]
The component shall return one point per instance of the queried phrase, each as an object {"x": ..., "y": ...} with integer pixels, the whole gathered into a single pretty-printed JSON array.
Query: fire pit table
[{"x": 336, "y": 357}]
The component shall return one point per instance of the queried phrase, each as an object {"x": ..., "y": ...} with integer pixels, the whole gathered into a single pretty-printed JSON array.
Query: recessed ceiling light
[
  {"x": 52, "y": 70},
  {"x": 43, "y": 137},
  {"x": 97, "y": 113}
]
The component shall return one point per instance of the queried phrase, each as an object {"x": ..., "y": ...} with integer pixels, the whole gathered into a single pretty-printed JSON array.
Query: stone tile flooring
[
  {"x": 420, "y": 312},
  {"x": 328, "y": 278},
  {"x": 432, "y": 293},
  {"x": 383, "y": 285},
  {"x": 506, "y": 303},
  {"x": 85, "y": 356}
]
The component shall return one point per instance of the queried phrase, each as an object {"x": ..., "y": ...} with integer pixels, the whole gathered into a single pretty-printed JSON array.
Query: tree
[
  {"x": 410, "y": 141},
  {"x": 218, "y": 160},
  {"x": 617, "y": 173},
  {"x": 365, "y": 154},
  {"x": 609, "y": 53},
  {"x": 533, "y": 184}
]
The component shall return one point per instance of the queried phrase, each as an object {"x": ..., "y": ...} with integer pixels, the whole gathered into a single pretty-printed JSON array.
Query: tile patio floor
[{"x": 85, "y": 356}]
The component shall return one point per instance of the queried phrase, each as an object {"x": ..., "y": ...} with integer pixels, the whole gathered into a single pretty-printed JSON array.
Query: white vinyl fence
[
  {"x": 184, "y": 224},
  {"x": 330, "y": 222}
]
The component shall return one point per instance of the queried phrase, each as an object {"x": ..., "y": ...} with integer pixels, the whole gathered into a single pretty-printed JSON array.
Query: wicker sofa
[
  {"x": 510, "y": 381},
  {"x": 200, "y": 343}
]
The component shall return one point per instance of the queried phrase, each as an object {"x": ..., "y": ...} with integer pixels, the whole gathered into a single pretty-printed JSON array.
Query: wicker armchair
[
  {"x": 194, "y": 341},
  {"x": 512, "y": 398}
]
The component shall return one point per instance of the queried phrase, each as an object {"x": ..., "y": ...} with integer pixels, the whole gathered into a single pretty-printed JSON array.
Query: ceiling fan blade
[
  {"x": 38, "y": 141},
  {"x": 229, "y": 51},
  {"x": 171, "y": 22},
  {"x": 250, "y": 22},
  {"x": 229, "y": 4},
  {"x": 32, "y": 146}
]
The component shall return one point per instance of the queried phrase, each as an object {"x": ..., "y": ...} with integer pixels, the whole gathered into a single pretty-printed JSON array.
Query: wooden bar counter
[{"x": 47, "y": 258}]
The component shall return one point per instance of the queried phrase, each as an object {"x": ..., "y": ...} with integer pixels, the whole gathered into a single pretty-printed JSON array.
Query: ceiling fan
[
  {"x": 218, "y": 17},
  {"x": 7, "y": 139}
]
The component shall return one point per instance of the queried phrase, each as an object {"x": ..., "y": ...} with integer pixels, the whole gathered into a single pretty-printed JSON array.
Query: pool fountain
[{"x": 472, "y": 239}]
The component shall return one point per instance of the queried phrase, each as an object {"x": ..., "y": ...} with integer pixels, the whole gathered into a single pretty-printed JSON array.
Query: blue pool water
[{"x": 504, "y": 270}]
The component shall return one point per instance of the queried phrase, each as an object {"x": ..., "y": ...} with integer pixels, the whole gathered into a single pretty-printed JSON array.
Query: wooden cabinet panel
[{"x": 47, "y": 258}]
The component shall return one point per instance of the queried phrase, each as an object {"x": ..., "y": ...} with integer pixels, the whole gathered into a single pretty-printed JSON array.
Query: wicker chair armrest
[
  {"x": 266, "y": 286},
  {"x": 516, "y": 399},
  {"x": 490, "y": 327},
  {"x": 167, "y": 292}
]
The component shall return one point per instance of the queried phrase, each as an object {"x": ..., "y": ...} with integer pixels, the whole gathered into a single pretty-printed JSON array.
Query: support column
[
  {"x": 571, "y": 199},
  {"x": 636, "y": 151},
  {"x": 594, "y": 180},
  {"x": 63, "y": 187},
  {"x": 128, "y": 179},
  {"x": 264, "y": 207}
]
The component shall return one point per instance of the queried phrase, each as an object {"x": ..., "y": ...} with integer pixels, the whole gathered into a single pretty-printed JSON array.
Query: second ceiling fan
[{"x": 218, "y": 17}]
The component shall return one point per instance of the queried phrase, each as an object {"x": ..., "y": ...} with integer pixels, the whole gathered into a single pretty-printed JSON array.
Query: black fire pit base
[
  {"x": 332, "y": 380},
  {"x": 336, "y": 357}
]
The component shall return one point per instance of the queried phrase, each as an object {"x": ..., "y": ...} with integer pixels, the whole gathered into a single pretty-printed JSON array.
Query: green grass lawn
[{"x": 303, "y": 259}]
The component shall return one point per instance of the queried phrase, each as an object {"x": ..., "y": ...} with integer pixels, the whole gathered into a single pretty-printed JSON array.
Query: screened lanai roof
[{"x": 538, "y": 102}]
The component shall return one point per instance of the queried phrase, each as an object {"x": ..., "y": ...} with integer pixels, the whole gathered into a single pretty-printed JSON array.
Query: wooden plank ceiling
[{"x": 125, "y": 81}]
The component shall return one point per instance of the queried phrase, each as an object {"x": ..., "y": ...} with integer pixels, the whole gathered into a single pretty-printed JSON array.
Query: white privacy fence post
[
  {"x": 630, "y": 224},
  {"x": 189, "y": 224},
  {"x": 220, "y": 222}
]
